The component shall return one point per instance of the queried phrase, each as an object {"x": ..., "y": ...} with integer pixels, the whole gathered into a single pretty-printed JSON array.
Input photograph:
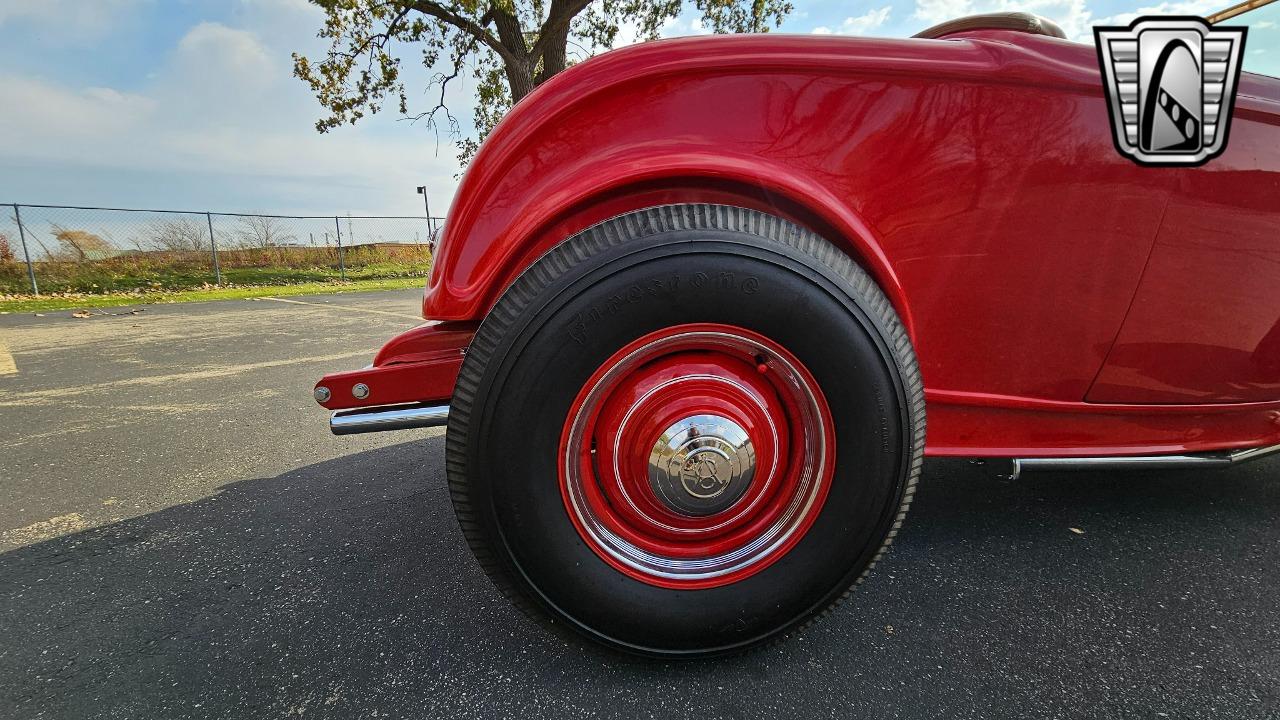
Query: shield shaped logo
[{"x": 1171, "y": 86}]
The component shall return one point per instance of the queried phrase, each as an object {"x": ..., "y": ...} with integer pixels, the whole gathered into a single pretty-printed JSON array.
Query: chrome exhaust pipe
[
  {"x": 1017, "y": 466},
  {"x": 387, "y": 417}
]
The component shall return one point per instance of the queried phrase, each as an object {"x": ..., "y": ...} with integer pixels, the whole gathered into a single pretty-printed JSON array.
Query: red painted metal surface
[
  {"x": 1205, "y": 325},
  {"x": 418, "y": 365},
  {"x": 978, "y": 425},
  {"x": 904, "y": 151},
  {"x": 685, "y": 379},
  {"x": 974, "y": 178}
]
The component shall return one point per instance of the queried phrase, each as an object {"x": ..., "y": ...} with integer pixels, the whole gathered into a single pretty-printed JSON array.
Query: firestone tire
[{"x": 709, "y": 272}]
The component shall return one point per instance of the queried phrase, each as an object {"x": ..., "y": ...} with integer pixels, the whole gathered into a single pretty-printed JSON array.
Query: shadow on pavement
[{"x": 344, "y": 589}]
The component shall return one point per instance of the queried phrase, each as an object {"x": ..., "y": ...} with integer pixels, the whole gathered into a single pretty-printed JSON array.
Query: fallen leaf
[
  {"x": 1077, "y": 531},
  {"x": 81, "y": 314}
]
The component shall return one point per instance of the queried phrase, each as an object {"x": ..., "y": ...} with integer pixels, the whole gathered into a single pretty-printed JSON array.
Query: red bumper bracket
[{"x": 418, "y": 366}]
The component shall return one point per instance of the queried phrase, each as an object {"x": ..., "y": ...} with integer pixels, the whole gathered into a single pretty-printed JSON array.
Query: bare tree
[
  {"x": 81, "y": 245},
  {"x": 260, "y": 231},
  {"x": 178, "y": 235}
]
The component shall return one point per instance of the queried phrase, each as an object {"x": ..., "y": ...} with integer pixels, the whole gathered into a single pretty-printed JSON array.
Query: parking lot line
[
  {"x": 332, "y": 306},
  {"x": 62, "y": 393},
  {"x": 7, "y": 365}
]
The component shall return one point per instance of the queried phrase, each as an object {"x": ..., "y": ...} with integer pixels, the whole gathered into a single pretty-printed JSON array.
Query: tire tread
[{"x": 571, "y": 253}]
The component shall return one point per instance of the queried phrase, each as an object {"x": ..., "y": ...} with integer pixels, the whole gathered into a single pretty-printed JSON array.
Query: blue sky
[{"x": 190, "y": 104}]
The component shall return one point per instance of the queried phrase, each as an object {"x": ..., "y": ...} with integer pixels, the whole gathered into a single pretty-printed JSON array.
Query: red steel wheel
[
  {"x": 696, "y": 456},
  {"x": 685, "y": 431}
]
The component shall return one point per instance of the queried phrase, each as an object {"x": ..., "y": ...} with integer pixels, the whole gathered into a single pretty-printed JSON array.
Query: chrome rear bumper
[{"x": 387, "y": 417}]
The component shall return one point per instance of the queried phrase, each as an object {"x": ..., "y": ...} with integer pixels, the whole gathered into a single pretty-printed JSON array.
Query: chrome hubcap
[{"x": 702, "y": 465}]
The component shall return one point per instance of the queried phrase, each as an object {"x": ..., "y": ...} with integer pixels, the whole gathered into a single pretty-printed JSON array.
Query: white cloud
[
  {"x": 64, "y": 21},
  {"x": 223, "y": 105},
  {"x": 860, "y": 25},
  {"x": 1073, "y": 16},
  {"x": 682, "y": 26},
  {"x": 221, "y": 72},
  {"x": 936, "y": 11},
  {"x": 280, "y": 6},
  {"x": 628, "y": 34},
  {"x": 49, "y": 111},
  {"x": 1188, "y": 7}
]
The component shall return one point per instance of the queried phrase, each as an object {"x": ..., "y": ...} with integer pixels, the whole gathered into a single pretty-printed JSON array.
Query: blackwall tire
[{"x": 722, "y": 290}]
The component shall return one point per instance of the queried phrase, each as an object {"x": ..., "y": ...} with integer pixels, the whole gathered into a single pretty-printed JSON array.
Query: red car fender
[
  {"x": 498, "y": 226},
  {"x": 612, "y": 187}
]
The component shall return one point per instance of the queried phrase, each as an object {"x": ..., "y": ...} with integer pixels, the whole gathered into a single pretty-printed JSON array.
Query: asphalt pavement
[{"x": 180, "y": 536}]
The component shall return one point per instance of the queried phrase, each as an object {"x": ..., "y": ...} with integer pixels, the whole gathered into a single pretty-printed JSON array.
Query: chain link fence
[{"x": 46, "y": 249}]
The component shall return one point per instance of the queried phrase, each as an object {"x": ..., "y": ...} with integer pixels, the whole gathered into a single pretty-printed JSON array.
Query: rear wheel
[{"x": 685, "y": 431}]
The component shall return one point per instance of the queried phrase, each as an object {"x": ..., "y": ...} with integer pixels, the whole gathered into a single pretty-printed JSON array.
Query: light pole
[{"x": 426, "y": 206}]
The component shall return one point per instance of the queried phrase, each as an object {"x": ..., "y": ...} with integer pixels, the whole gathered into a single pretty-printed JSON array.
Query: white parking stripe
[
  {"x": 7, "y": 365},
  {"x": 332, "y": 306},
  {"x": 18, "y": 398}
]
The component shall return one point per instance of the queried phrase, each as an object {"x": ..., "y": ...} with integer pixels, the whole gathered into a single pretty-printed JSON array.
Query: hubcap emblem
[
  {"x": 702, "y": 474},
  {"x": 701, "y": 465}
]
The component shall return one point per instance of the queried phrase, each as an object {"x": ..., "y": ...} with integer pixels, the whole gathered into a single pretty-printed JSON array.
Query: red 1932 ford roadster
[{"x": 697, "y": 298}]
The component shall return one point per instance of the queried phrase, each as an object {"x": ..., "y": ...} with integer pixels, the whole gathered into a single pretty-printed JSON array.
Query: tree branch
[
  {"x": 509, "y": 30},
  {"x": 559, "y": 18},
  {"x": 459, "y": 59},
  {"x": 466, "y": 25},
  {"x": 392, "y": 27}
]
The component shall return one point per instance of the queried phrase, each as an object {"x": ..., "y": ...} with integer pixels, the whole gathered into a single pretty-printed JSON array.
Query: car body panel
[
  {"x": 993, "y": 426},
  {"x": 973, "y": 177},
  {"x": 1205, "y": 324},
  {"x": 911, "y": 171}
]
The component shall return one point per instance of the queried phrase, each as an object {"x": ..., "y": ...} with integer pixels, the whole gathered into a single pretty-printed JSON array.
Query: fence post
[
  {"x": 213, "y": 245},
  {"x": 342, "y": 267},
  {"x": 22, "y": 235}
]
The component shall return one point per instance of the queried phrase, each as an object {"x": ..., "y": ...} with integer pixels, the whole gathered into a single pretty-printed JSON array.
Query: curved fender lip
[{"x": 419, "y": 365}]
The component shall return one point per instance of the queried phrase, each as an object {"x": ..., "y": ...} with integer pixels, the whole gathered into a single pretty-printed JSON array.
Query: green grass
[
  {"x": 74, "y": 301},
  {"x": 179, "y": 276},
  {"x": 173, "y": 271}
]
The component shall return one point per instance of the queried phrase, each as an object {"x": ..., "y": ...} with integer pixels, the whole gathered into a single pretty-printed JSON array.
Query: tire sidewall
[{"x": 560, "y": 334}]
